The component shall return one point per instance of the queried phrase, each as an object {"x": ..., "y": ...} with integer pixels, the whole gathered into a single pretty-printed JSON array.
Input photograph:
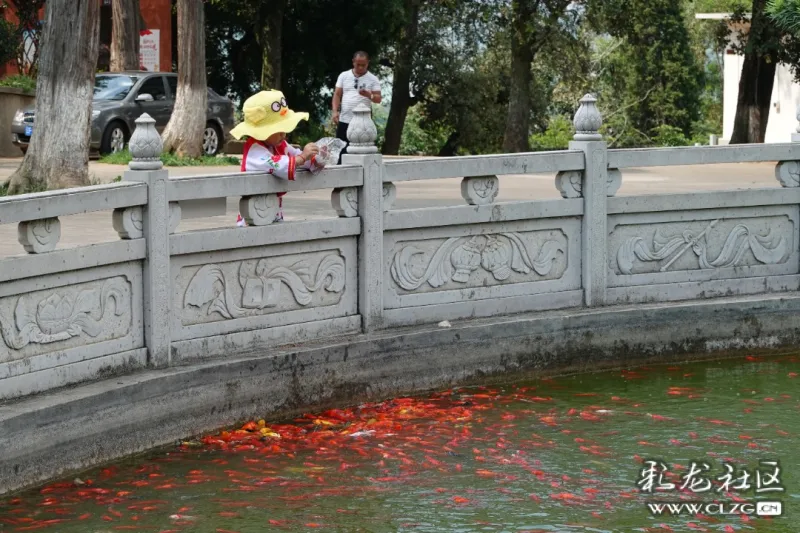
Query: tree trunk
[
  {"x": 753, "y": 104},
  {"x": 270, "y": 37},
  {"x": 755, "y": 85},
  {"x": 58, "y": 155},
  {"x": 515, "y": 138},
  {"x": 125, "y": 35},
  {"x": 184, "y": 133},
  {"x": 401, "y": 80}
]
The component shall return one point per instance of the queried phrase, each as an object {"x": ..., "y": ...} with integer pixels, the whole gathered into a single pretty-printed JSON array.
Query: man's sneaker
[{"x": 278, "y": 217}]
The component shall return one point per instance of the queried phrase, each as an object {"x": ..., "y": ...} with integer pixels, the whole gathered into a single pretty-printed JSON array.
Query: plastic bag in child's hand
[{"x": 329, "y": 150}]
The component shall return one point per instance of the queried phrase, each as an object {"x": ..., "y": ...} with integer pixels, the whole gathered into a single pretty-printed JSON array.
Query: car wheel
[
  {"x": 212, "y": 140},
  {"x": 114, "y": 138}
]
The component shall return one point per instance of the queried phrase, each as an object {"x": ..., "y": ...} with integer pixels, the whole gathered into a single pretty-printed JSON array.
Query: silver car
[{"x": 121, "y": 97}]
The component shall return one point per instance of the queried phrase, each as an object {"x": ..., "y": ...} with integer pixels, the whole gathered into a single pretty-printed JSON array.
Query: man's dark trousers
[{"x": 341, "y": 133}]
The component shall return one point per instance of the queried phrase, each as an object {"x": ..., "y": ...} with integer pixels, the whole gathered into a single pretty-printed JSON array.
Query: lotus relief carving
[
  {"x": 63, "y": 315},
  {"x": 261, "y": 286},
  {"x": 769, "y": 249},
  {"x": 458, "y": 257}
]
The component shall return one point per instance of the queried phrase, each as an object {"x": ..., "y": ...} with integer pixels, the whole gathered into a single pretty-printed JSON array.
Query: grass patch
[
  {"x": 19, "y": 81},
  {"x": 172, "y": 160},
  {"x": 4, "y": 188}
]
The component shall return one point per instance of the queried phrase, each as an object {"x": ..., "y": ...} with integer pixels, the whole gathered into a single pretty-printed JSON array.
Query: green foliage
[
  {"x": 172, "y": 160},
  {"x": 8, "y": 41},
  {"x": 556, "y": 137},
  {"x": 19, "y": 81},
  {"x": 786, "y": 14},
  {"x": 652, "y": 66},
  {"x": 310, "y": 62},
  {"x": 418, "y": 140},
  {"x": 665, "y": 135}
]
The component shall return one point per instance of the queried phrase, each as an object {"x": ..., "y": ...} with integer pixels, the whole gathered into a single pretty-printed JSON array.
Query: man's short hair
[{"x": 361, "y": 53}]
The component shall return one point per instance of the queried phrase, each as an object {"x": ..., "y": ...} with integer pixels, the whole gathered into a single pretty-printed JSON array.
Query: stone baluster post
[
  {"x": 155, "y": 225},
  {"x": 369, "y": 201},
  {"x": 594, "y": 189}
]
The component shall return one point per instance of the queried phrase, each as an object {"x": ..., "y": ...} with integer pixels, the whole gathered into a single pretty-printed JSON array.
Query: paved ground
[{"x": 96, "y": 227}]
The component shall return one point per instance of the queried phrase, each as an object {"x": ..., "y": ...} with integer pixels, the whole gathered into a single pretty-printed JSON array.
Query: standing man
[{"x": 353, "y": 87}]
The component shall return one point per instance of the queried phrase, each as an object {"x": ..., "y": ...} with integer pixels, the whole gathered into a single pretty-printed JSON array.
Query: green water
[{"x": 561, "y": 454}]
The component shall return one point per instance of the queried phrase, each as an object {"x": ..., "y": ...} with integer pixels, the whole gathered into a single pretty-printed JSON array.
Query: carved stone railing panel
[
  {"x": 461, "y": 263},
  {"x": 389, "y": 195},
  {"x": 701, "y": 245},
  {"x": 480, "y": 190},
  {"x": 788, "y": 173},
  {"x": 53, "y": 320},
  {"x": 345, "y": 202},
  {"x": 39, "y": 236},
  {"x": 270, "y": 286}
]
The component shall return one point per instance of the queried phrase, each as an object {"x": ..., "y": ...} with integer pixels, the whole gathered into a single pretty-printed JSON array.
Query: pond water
[{"x": 563, "y": 454}]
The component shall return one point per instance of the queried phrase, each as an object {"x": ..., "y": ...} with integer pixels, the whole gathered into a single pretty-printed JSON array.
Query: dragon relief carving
[
  {"x": 261, "y": 285},
  {"x": 63, "y": 315},
  {"x": 458, "y": 257},
  {"x": 768, "y": 249}
]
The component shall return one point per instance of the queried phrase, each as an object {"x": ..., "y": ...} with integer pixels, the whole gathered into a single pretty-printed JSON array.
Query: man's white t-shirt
[{"x": 351, "y": 84}]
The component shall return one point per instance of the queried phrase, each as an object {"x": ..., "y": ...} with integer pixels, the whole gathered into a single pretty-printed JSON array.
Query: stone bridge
[{"x": 118, "y": 347}]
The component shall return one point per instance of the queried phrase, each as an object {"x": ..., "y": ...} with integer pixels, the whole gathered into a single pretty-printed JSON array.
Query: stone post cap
[
  {"x": 145, "y": 145},
  {"x": 588, "y": 120},
  {"x": 362, "y": 132}
]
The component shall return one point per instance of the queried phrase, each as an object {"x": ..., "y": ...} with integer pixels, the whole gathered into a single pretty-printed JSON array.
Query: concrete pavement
[{"x": 96, "y": 227}]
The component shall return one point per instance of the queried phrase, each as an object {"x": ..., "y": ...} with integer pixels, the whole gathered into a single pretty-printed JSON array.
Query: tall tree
[
  {"x": 401, "y": 76},
  {"x": 58, "y": 155},
  {"x": 659, "y": 77},
  {"x": 762, "y": 50},
  {"x": 184, "y": 132},
  {"x": 125, "y": 27},
  {"x": 532, "y": 24},
  {"x": 269, "y": 34}
]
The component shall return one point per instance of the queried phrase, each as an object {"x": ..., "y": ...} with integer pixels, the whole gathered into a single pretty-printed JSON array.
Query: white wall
[{"x": 785, "y": 100}]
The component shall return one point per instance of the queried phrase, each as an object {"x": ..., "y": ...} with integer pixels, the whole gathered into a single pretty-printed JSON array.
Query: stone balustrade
[{"x": 158, "y": 297}]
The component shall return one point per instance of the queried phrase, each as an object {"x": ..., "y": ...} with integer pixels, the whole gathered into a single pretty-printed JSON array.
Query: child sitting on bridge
[{"x": 267, "y": 120}]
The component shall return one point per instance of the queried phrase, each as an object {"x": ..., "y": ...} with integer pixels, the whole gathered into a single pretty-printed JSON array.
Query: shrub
[
  {"x": 19, "y": 81},
  {"x": 557, "y": 136}
]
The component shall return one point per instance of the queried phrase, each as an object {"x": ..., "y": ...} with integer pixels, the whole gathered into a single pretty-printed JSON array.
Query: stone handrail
[
  {"x": 65, "y": 202},
  {"x": 708, "y": 155},
  {"x": 251, "y": 183},
  {"x": 470, "y": 166}
]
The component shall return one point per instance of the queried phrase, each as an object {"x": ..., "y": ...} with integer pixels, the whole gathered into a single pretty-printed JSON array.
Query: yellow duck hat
[{"x": 266, "y": 113}]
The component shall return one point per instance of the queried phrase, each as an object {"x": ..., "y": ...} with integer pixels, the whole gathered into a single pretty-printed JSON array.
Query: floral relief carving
[
  {"x": 39, "y": 236},
  {"x": 480, "y": 190},
  {"x": 459, "y": 257},
  {"x": 65, "y": 313},
  {"x": 259, "y": 285},
  {"x": 788, "y": 173},
  {"x": 770, "y": 248},
  {"x": 345, "y": 201}
]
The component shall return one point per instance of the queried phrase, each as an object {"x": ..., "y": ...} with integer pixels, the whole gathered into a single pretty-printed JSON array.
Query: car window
[
  {"x": 113, "y": 87},
  {"x": 154, "y": 87},
  {"x": 172, "y": 81}
]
